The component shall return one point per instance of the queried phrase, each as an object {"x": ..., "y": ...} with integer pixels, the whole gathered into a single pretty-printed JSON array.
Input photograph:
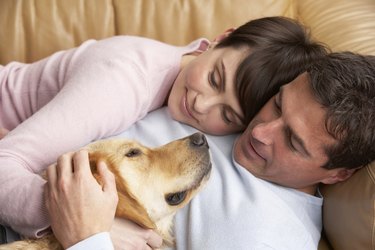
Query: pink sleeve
[
  {"x": 87, "y": 108},
  {"x": 105, "y": 87}
]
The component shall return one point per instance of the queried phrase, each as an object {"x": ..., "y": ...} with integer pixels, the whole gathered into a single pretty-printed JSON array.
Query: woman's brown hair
[{"x": 279, "y": 50}]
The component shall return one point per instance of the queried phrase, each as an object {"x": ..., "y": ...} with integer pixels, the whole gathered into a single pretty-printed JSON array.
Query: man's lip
[
  {"x": 250, "y": 150},
  {"x": 253, "y": 148}
]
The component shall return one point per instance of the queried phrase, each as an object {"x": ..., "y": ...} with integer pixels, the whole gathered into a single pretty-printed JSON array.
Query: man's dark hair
[
  {"x": 279, "y": 50},
  {"x": 344, "y": 84}
]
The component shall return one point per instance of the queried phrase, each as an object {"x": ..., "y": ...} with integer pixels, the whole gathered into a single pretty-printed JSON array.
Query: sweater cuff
[{"x": 99, "y": 241}]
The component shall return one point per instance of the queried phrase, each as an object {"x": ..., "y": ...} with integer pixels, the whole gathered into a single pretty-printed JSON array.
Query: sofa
[{"x": 33, "y": 29}]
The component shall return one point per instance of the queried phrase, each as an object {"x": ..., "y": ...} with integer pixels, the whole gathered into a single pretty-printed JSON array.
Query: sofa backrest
[{"x": 31, "y": 30}]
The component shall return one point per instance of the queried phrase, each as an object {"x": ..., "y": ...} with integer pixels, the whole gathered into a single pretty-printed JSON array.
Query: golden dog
[{"x": 152, "y": 184}]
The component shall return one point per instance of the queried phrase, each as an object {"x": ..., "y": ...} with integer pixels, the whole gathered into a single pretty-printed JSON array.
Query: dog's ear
[
  {"x": 129, "y": 208},
  {"x": 94, "y": 158}
]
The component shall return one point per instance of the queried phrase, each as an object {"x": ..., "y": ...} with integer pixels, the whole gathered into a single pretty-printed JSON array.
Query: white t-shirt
[{"x": 235, "y": 210}]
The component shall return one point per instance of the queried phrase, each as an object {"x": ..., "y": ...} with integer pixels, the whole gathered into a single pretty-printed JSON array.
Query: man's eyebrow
[{"x": 292, "y": 134}]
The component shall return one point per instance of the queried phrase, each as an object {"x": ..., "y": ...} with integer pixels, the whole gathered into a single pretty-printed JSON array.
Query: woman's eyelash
[
  {"x": 277, "y": 107},
  {"x": 211, "y": 79}
]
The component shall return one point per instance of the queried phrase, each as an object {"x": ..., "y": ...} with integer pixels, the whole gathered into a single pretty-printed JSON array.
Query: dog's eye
[
  {"x": 175, "y": 198},
  {"x": 133, "y": 152}
]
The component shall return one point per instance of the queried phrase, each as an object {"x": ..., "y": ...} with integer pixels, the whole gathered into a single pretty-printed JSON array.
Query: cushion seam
[
  {"x": 373, "y": 227},
  {"x": 371, "y": 174}
]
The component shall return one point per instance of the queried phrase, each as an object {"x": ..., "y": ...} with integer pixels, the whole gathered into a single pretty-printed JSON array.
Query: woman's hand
[
  {"x": 3, "y": 132},
  {"x": 78, "y": 206},
  {"x": 128, "y": 235}
]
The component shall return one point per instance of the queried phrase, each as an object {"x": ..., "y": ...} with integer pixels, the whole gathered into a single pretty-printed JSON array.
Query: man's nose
[
  {"x": 267, "y": 132},
  {"x": 204, "y": 103}
]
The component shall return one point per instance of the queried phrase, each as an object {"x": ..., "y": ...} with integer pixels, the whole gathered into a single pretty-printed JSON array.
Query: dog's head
[{"x": 153, "y": 183}]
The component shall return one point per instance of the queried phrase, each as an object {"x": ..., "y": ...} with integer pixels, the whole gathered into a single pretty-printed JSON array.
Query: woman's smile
[{"x": 186, "y": 107}]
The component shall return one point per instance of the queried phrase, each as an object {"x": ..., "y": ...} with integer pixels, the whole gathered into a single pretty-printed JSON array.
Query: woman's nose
[
  {"x": 266, "y": 132},
  {"x": 204, "y": 103}
]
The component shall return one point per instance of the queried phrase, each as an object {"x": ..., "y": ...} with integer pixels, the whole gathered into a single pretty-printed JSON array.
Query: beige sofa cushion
[
  {"x": 178, "y": 22},
  {"x": 31, "y": 30},
  {"x": 342, "y": 24},
  {"x": 349, "y": 211}
]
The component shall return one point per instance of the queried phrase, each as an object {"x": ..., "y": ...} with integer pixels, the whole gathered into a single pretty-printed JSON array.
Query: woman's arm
[
  {"x": 3, "y": 132},
  {"x": 105, "y": 91},
  {"x": 94, "y": 102}
]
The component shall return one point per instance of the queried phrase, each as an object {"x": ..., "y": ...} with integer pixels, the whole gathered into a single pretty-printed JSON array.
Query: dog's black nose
[{"x": 198, "y": 140}]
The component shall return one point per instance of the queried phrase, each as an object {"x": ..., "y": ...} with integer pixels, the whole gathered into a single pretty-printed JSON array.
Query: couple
[
  {"x": 318, "y": 128},
  {"x": 263, "y": 192}
]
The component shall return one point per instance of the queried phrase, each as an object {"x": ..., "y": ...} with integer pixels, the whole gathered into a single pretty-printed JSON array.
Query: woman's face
[{"x": 204, "y": 93}]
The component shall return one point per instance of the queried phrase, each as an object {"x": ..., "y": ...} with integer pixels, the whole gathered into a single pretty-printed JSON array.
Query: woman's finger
[
  {"x": 51, "y": 176},
  {"x": 64, "y": 166},
  {"x": 3, "y": 132},
  {"x": 82, "y": 163}
]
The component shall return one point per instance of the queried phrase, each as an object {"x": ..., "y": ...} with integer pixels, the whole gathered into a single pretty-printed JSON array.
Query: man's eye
[
  {"x": 291, "y": 144},
  {"x": 212, "y": 81},
  {"x": 289, "y": 140}
]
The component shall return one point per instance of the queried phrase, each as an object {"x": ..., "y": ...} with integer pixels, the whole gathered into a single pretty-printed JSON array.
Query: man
[{"x": 318, "y": 129}]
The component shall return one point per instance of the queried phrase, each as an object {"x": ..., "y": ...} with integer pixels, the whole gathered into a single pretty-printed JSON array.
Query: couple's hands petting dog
[
  {"x": 74, "y": 198},
  {"x": 71, "y": 186},
  {"x": 150, "y": 185}
]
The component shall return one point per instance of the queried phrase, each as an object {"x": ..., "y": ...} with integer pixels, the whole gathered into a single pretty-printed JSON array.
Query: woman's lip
[{"x": 186, "y": 108}]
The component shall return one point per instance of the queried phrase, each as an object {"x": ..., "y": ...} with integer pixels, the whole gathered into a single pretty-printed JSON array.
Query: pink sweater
[{"x": 67, "y": 100}]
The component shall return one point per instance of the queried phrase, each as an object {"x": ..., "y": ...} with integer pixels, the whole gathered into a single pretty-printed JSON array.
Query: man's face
[{"x": 285, "y": 143}]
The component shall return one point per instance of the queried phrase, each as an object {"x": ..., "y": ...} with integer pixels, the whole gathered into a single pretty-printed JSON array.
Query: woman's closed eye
[
  {"x": 277, "y": 106},
  {"x": 213, "y": 81}
]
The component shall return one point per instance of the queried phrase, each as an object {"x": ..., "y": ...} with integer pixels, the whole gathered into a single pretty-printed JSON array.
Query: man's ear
[
  {"x": 222, "y": 36},
  {"x": 338, "y": 175}
]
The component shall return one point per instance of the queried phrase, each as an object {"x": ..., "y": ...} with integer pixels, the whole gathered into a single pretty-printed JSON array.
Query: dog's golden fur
[{"x": 152, "y": 184}]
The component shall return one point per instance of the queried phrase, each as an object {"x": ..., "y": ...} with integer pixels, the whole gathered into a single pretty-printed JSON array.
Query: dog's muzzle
[{"x": 198, "y": 140}]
